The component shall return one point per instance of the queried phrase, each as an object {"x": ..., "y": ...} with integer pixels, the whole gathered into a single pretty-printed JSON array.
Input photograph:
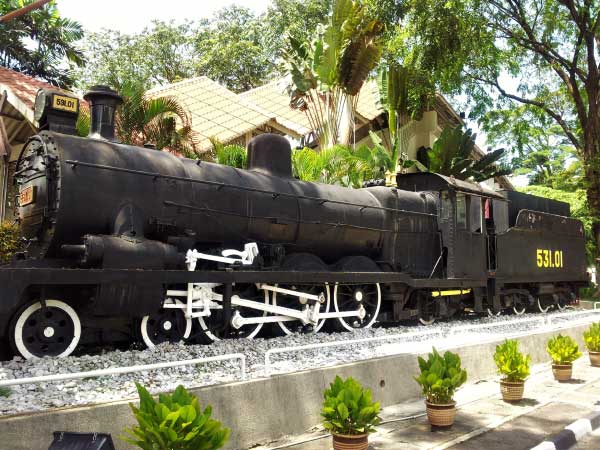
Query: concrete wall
[{"x": 263, "y": 410}]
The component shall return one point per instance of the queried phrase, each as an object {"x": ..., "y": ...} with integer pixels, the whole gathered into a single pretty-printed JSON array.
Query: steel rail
[{"x": 126, "y": 369}]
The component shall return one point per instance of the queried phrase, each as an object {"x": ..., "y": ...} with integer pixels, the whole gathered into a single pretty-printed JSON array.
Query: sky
[{"x": 130, "y": 16}]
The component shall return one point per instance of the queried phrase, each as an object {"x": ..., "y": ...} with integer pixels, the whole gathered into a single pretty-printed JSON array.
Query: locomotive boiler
[{"x": 131, "y": 243}]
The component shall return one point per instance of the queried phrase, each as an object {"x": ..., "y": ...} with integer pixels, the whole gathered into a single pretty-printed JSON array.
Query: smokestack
[{"x": 103, "y": 105}]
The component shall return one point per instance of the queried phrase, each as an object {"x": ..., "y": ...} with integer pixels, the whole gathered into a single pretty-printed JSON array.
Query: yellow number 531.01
[{"x": 549, "y": 258}]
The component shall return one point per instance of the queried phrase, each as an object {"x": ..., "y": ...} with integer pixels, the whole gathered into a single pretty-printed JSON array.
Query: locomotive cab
[{"x": 464, "y": 223}]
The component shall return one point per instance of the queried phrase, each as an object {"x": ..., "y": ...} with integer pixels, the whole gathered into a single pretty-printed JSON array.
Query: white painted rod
[{"x": 128, "y": 369}]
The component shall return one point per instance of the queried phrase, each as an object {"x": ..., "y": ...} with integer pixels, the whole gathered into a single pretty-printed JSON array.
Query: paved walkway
[{"x": 483, "y": 420}]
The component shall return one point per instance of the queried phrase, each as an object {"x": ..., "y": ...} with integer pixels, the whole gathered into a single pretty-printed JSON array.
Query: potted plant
[
  {"x": 563, "y": 350},
  {"x": 591, "y": 338},
  {"x": 175, "y": 421},
  {"x": 440, "y": 377},
  {"x": 514, "y": 367},
  {"x": 349, "y": 414}
]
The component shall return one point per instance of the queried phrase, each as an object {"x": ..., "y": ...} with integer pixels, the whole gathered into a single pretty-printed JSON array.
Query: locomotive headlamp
[{"x": 56, "y": 111}]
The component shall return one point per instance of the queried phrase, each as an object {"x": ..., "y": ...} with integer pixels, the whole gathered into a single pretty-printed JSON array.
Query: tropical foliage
[
  {"x": 440, "y": 376},
  {"x": 563, "y": 349},
  {"x": 344, "y": 165},
  {"x": 511, "y": 363},
  {"x": 174, "y": 422},
  {"x": 452, "y": 155},
  {"x": 230, "y": 155},
  {"x": 40, "y": 43},
  {"x": 140, "y": 119},
  {"x": 348, "y": 408},
  {"x": 328, "y": 73},
  {"x": 591, "y": 337},
  {"x": 9, "y": 241}
]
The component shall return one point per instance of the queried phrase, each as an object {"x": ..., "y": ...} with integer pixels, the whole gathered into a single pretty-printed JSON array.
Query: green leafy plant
[
  {"x": 174, "y": 422},
  {"x": 591, "y": 337},
  {"x": 563, "y": 349},
  {"x": 452, "y": 154},
  {"x": 511, "y": 363},
  {"x": 348, "y": 408},
  {"x": 9, "y": 241},
  {"x": 5, "y": 392},
  {"x": 440, "y": 376}
]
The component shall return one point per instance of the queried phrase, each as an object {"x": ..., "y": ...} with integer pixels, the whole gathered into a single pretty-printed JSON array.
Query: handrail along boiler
[{"x": 130, "y": 243}]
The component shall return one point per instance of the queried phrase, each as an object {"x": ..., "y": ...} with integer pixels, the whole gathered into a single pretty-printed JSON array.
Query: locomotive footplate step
[{"x": 483, "y": 420}]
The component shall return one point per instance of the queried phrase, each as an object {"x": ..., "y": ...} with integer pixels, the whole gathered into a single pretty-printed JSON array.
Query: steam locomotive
[{"x": 128, "y": 243}]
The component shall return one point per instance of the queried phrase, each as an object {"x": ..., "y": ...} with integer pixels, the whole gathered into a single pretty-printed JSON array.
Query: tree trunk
[{"x": 592, "y": 174}]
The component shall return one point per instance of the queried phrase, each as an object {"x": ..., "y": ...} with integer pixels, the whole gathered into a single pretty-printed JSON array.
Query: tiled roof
[
  {"x": 215, "y": 111},
  {"x": 272, "y": 98},
  {"x": 21, "y": 90},
  {"x": 23, "y": 86}
]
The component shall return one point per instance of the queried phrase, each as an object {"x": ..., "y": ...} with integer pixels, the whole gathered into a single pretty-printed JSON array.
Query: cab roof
[{"x": 429, "y": 181}]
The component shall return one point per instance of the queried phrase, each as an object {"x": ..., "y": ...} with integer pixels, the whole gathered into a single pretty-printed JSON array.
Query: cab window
[{"x": 475, "y": 216}]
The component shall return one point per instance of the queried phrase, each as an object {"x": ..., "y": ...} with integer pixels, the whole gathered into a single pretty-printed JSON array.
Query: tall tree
[
  {"x": 232, "y": 48},
  {"x": 538, "y": 147},
  {"x": 40, "y": 43},
  {"x": 161, "y": 53},
  {"x": 542, "y": 53}
]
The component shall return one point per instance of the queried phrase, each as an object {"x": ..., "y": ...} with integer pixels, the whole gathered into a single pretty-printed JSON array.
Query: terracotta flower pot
[
  {"x": 594, "y": 358},
  {"x": 512, "y": 391},
  {"x": 350, "y": 441},
  {"x": 441, "y": 415},
  {"x": 562, "y": 372}
]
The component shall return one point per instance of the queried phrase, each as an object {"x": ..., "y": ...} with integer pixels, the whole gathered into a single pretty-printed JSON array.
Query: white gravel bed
[{"x": 35, "y": 397}]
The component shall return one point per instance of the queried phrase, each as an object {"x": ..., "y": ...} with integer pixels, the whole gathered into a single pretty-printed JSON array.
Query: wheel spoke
[
  {"x": 349, "y": 297},
  {"x": 167, "y": 325}
]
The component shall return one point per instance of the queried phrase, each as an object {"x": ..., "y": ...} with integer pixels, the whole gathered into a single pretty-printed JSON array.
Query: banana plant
[
  {"x": 452, "y": 155},
  {"x": 327, "y": 74}
]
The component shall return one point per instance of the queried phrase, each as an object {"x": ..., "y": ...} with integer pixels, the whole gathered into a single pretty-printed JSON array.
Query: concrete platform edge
[{"x": 265, "y": 409}]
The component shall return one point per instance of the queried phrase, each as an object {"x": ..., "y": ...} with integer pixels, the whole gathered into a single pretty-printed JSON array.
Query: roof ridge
[
  {"x": 179, "y": 83},
  {"x": 258, "y": 88}
]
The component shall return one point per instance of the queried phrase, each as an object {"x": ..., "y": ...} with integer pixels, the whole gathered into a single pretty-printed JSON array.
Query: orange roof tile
[{"x": 22, "y": 86}]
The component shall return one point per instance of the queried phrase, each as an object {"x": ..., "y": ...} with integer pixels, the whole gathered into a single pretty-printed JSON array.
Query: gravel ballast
[{"x": 42, "y": 396}]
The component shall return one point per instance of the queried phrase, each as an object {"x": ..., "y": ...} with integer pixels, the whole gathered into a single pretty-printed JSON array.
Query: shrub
[
  {"x": 175, "y": 422},
  {"x": 9, "y": 241},
  {"x": 563, "y": 349},
  {"x": 5, "y": 392},
  {"x": 591, "y": 337},
  {"x": 440, "y": 376},
  {"x": 348, "y": 408},
  {"x": 511, "y": 363}
]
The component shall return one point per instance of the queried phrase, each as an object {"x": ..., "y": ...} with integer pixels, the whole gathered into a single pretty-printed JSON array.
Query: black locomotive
[{"x": 130, "y": 243}]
